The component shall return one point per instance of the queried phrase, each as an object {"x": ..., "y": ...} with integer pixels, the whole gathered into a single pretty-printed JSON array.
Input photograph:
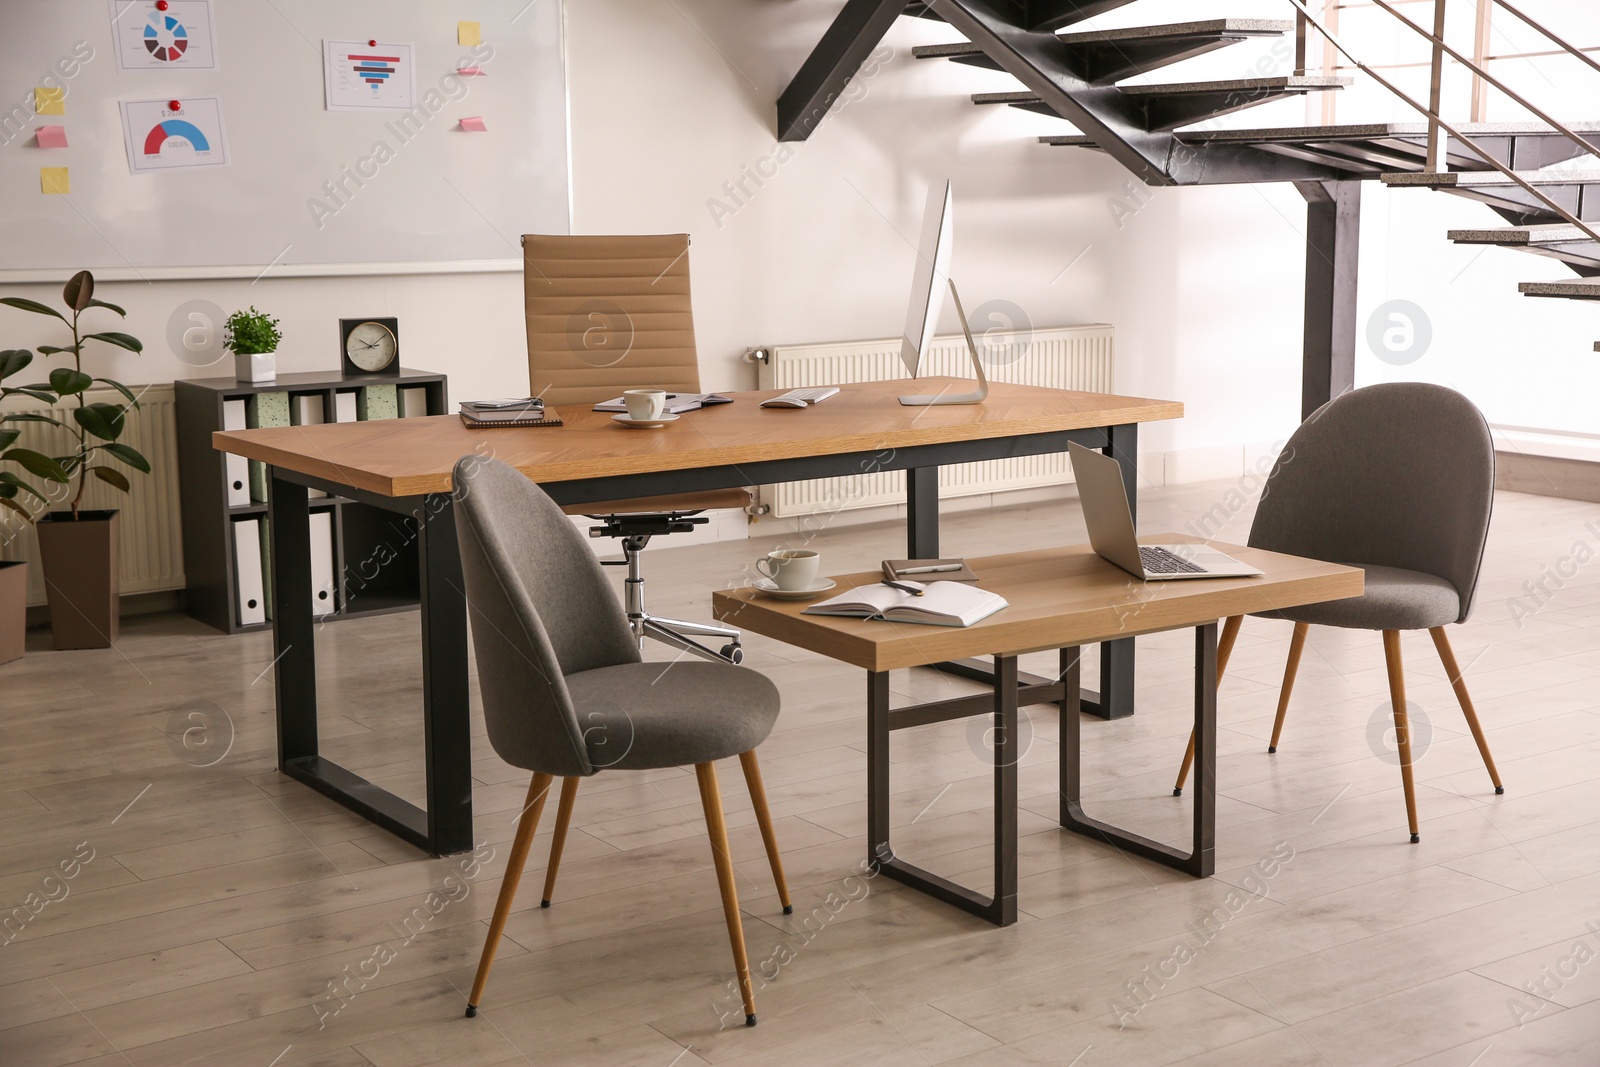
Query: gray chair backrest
[
  {"x": 1393, "y": 475},
  {"x": 541, "y": 609}
]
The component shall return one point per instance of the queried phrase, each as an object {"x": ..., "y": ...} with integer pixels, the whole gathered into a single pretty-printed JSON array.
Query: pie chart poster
[
  {"x": 179, "y": 38},
  {"x": 161, "y": 138}
]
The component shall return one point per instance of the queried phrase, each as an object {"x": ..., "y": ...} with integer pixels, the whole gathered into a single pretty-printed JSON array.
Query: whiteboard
[{"x": 305, "y": 187}]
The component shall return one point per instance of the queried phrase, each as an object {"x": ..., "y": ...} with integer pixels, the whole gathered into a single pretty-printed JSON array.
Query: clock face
[{"x": 371, "y": 346}]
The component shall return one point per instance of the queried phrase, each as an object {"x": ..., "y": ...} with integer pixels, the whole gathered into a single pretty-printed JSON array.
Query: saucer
[
  {"x": 821, "y": 585},
  {"x": 644, "y": 424}
]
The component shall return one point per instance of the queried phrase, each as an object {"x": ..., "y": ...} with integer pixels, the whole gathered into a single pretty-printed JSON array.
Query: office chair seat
[
  {"x": 642, "y": 716},
  {"x": 1394, "y": 599}
]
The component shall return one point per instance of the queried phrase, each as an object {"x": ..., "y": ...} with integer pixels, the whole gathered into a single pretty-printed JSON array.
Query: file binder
[
  {"x": 323, "y": 597},
  {"x": 264, "y": 409},
  {"x": 413, "y": 402},
  {"x": 375, "y": 402},
  {"x": 344, "y": 407},
  {"x": 247, "y": 573},
  {"x": 237, "y": 468},
  {"x": 308, "y": 409}
]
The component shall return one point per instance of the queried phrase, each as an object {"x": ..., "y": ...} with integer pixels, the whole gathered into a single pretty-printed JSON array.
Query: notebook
[
  {"x": 534, "y": 416},
  {"x": 941, "y": 604},
  {"x": 677, "y": 403}
]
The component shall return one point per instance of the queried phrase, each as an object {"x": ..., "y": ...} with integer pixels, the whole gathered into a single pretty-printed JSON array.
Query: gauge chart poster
[
  {"x": 368, "y": 74},
  {"x": 176, "y": 35},
  {"x": 160, "y": 137}
]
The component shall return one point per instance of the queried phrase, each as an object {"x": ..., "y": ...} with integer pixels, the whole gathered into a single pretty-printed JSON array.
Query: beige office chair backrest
[{"x": 607, "y": 314}]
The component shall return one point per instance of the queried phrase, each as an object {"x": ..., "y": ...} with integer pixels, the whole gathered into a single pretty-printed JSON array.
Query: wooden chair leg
[
  {"x": 1230, "y": 634},
  {"x": 569, "y": 793},
  {"x": 1297, "y": 645},
  {"x": 1447, "y": 656},
  {"x": 1402, "y": 725},
  {"x": 538, "y": 789},
  {"x": 717, "y": 830},
  {"x": 758, "y": 798}
]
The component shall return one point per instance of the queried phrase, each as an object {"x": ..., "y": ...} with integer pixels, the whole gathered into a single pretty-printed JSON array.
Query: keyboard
[
  {"x": 801, "y": 398},
  {"x": 1160, "y": 561}
]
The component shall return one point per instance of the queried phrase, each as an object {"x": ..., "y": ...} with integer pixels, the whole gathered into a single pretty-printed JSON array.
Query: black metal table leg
[
  {"x": 445, "y": 827},
  {"x": 1000, "y": 907},
  {"x": 1200, "y": 860},
  {"x": 446, "y": 710},
  {"x": 1115, "y": 699},
  {"x": 922, "y": 513}
]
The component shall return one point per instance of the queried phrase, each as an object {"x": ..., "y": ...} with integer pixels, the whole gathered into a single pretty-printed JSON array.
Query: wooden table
[
  {"x": 404, "y": 466},
  {"x": 1060, "y": 598}
]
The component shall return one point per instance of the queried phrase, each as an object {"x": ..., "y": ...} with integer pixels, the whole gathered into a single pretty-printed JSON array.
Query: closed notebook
[{"x": 942, "y": 604}]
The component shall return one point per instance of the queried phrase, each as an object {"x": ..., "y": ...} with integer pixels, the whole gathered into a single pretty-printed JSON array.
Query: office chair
[
  {"x": 565, "y": 693},
  {"x": 1397, "y": 479},
  {"x": 607, "y": 314}
]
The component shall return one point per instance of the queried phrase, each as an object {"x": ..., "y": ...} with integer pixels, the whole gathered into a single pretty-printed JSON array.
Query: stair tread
[
  {"x": 1205, "y": 28},
  {"x": 1028, "y": 96},
  {"x": 1547, "y": 233},
  {"x": 1475, "y": 178},
  {"x": 1291, "y": 81},
  {"x": 1576, "y": 288},
  {"x": 1355, "y": 132}
]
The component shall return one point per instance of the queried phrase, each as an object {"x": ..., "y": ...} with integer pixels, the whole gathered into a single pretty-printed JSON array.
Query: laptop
[{"x": 1110, "y": 521}]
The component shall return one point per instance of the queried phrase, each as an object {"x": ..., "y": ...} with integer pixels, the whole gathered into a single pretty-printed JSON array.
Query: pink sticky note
[
  {"x": 52, "y": 136},
  {"x": 474, "y": 124},
  {"x": 471, "y": 72}
]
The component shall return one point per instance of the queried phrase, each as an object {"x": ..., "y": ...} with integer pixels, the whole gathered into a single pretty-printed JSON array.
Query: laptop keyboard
[{"x": 1160, "y": 561}]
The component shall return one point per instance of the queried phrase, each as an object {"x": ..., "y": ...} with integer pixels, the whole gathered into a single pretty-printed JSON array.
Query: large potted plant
[
  {"x": 78, "y": 547},
  {"x": 17, "y": 492}
]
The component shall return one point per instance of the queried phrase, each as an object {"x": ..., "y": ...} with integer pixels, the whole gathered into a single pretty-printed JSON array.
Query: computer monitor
[{"x": 928, "y": 283}]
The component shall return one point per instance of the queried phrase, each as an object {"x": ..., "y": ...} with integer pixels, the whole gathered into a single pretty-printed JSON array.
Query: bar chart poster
[
  {"x": 363, "y": 75},
  {"x": 177, "y": 35},
  {"x": 161, "y": 137}
]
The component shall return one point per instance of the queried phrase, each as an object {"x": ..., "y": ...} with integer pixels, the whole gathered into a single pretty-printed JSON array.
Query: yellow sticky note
[
  {"x": 54, "y": 180},
  {"x": 50, "y": 101},
  {"x": 468, "y": 33}
]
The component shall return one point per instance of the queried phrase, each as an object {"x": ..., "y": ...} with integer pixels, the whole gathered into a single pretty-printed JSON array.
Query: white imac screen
[{"x": 931, "y": 277}]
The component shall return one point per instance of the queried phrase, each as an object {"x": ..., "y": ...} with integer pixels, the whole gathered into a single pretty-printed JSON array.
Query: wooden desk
[
  {"x": 405, "y": 466},
  {"x": 1060, "y": 599}
]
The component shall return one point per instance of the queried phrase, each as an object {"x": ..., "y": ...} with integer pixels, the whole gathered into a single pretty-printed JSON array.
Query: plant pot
[
  {"x": 255, "y": 366},
  {"x": 13, "y": 610},
  {"x": 81, "y": 576}
]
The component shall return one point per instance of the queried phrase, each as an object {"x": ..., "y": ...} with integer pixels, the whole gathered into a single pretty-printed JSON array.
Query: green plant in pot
[
  {"x": 252, "y": 336},
  {"x": 20, "y": 495},
  {"x": 78, "y": 547}
]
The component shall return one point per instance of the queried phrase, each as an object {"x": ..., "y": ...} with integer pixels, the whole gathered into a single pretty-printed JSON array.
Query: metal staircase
[{"x": 1161, "y": 133}]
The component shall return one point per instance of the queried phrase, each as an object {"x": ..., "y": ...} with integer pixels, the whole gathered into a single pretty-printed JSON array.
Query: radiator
[
  {"x": 152, "y": 549},
  {"x": 1070, "y": 357}
]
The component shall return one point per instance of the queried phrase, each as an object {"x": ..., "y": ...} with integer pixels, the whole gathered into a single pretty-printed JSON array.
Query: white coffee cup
[
  {"x": 790, "y": 569},
  {"x": 645, "y": 405}
]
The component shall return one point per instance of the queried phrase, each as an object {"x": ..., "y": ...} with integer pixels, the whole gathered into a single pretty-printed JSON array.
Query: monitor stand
[{"x": 982, "y": 392}]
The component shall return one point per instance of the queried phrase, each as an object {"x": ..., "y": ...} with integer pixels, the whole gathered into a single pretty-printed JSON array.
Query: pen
[
  {"x": 913, "y": 590},
  {"x": 940, "y": 569}
]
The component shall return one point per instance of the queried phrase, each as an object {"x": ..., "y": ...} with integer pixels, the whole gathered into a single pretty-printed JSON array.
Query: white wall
[{"x": 670, "y": 100}]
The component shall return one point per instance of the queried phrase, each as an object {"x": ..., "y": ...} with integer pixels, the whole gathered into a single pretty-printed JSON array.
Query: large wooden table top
[
  {"x": 408, "y": 457},
  {"x": 1060, "y": 597}
]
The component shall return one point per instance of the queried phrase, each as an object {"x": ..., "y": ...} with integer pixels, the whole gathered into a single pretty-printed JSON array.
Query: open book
[{"x": 942, "y": 604}]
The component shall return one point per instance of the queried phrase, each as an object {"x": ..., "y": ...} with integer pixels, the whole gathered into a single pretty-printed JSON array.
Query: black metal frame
[
  {"x": 445, "y": 826},
  {"x": 1201, "y": 859},
  {"x": 1333, "y": 258}
]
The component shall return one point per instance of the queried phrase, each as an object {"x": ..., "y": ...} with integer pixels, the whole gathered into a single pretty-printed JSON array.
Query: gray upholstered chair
[
  {"x": 1399, "y": 480},
  {"x": 565, "y": 693}
]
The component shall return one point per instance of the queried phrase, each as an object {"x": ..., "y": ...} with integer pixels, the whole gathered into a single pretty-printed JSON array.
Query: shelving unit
[{"x": 209, "y": 521}]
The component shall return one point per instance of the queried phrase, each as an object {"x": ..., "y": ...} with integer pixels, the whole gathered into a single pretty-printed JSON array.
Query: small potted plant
[
  {"x": 253, "y": 339},
  {"x": 16, "y": 494},
  {"x": 78, "y": 547}
]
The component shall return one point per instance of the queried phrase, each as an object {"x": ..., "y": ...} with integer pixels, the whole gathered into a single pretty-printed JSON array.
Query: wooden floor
[{"x": 217, "y": 913}]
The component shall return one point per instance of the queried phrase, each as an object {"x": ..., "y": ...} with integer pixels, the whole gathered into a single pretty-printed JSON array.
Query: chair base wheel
[
  {"x": 788, "y": 909},
  {"x": 472, "y": 1011},
  {"x": 749, "y": 1020},
  {"x": 1499, "y": 790},
  {"x": 1178, "y": 792},
  {"x": 1271, "y": 749},
  {"x": 733, "y": 654},
  {"x": 544, "y": 903},
  {"x": 1416, "y": 838}
]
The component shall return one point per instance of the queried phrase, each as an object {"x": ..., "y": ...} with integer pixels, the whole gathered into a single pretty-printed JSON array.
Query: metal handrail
[
  {"x": 1435, "y": 118},
  {"x": 1550, "y": 35}
]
